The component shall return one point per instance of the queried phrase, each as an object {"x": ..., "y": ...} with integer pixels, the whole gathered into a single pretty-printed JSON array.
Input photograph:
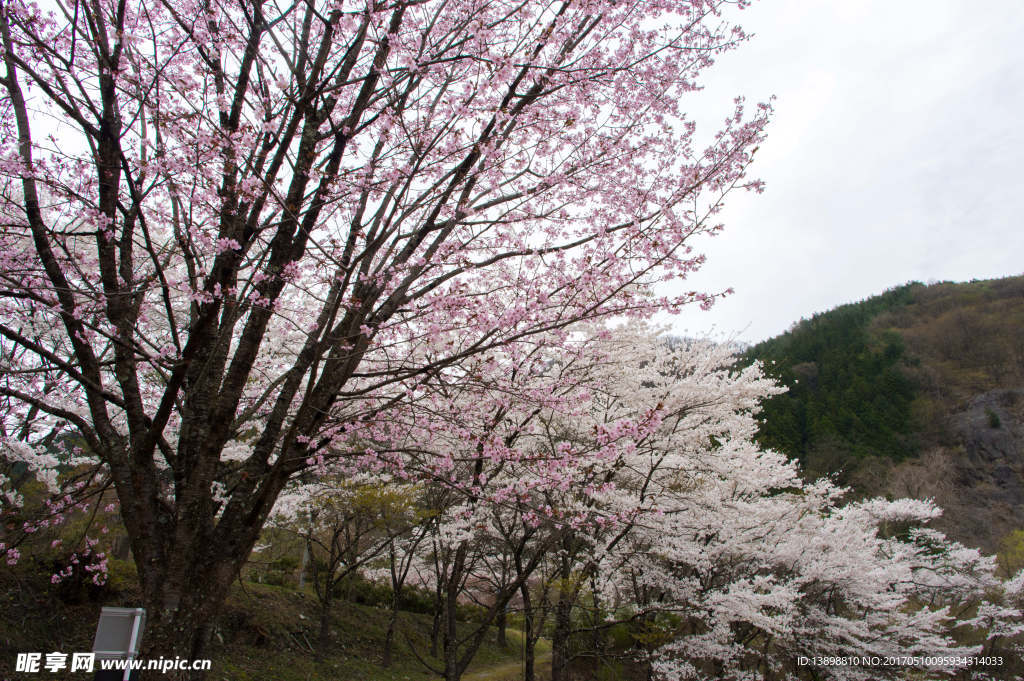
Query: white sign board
[{"x": 119, "y": 635}]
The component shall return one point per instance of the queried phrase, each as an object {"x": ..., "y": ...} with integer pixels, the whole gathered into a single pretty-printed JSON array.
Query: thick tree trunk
[
  {"x": 324, "y": 639},
  {"x": 451, "y": 662},
  {"x": 186, "y": 571},
  {"x": 454, "y": 663},
  {"x": 529, "y": 642},
  {"x": 389, "y": 638},
  {"x": 435, "y": 625},
  {"x": 596, "y": 632},
  {"x": 560, "y": 639},
  {"x": 530, "y": 659},
  {"x": 182, "y": 633},
  {"x": 186, "y": 556},
  {"x": 563, "y": 625},
  {"x": 179, "y": 621},
  {"x": 502, "y": 639},
  {"x": 450, "y": 646}
]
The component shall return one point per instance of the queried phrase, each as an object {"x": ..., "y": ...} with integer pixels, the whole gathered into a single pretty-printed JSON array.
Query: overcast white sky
[{"x": 896, "y": 153}]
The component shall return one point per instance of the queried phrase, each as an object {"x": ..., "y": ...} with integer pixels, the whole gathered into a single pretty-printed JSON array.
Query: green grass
[
  {"x": 265, "y": 633},
  {"x": 271, "y": 632},
  {"x": 512, "y": 670}
]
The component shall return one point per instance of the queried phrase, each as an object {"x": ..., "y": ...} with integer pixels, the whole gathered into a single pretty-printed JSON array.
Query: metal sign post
[{"x": 118, "y": 637}]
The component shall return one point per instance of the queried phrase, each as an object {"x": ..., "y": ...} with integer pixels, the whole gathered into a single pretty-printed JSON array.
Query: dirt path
[{"x": 513, "y": 671}]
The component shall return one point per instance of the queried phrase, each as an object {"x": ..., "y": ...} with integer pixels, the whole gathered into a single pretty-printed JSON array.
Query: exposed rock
[{"x": 978, "y": 479}]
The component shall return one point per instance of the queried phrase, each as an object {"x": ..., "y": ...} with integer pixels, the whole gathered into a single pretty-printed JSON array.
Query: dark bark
[
  {"x": 596, "y": 631},
  {"x": 440, "y": 578},
  {"x": 397, "y": 581},
  {"x": 562, "y": 631},
  {"x": 450, "y": 642},
  {"x": 529, "y": 640},
  {"x": 389, "y": 637},
  {"x": 399, "y": 569},
  {"x": 560, "y": 635},
  {"x": 435, "y": 626},
  {"x": 324, "y": 637},
  {"x": 183, "y": 597},
  {"x": 501, "y": 638},
  {"x": 458, "y": 653},
  {"x": 179, "y": 623}
]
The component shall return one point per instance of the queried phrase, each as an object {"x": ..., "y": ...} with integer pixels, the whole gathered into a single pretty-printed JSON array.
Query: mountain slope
[{"x": 918, "y": 391}]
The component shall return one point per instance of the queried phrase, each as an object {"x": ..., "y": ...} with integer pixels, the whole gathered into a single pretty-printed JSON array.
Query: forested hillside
[{"x": 914, "y": 392}]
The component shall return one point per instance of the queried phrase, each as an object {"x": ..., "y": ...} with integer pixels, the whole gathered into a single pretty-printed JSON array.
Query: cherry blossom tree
[
  {"x": 745, "y": 569},
  {"x": 559, "y": 468},
  {"x": 345, "y": 523},
  {"x": 810, "y": 581},
  {"x": 621, "y": 482},
  {"x": 233, "y": 233},
  {"x": 665, "y": 415},
  {"x": 722, "y": 559},
  {"x": 477, "y": 433},
  {"x": 402, "y": 558}
]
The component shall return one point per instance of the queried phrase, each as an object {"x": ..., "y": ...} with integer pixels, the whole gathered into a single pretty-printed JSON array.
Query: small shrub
[{"x": 993, "y": 419}]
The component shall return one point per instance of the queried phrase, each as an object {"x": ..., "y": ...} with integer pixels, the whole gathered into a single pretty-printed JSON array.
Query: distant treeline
[{"x": 876, "y": 378}]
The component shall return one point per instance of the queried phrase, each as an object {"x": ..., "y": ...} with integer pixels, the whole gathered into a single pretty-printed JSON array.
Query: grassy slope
[
  {"x": 280, "y": 628},
  {"x": 264, "y": 634}
]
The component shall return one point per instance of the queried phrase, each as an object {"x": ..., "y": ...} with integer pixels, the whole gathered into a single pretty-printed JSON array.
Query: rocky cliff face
[{"x": 978, "y": 477}]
